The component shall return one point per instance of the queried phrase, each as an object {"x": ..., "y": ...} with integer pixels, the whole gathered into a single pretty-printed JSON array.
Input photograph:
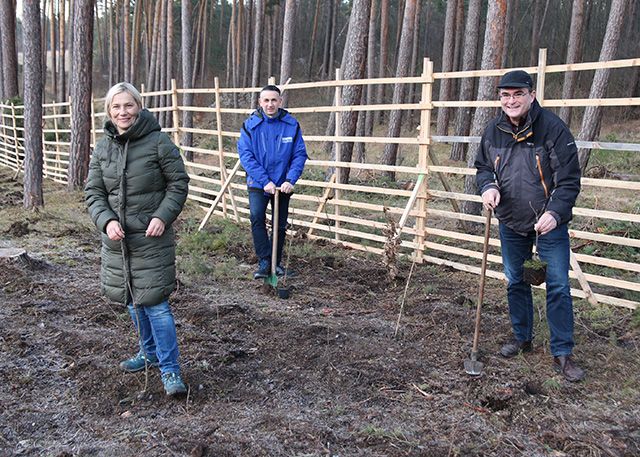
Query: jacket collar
[
  {"x": 144, "y": 124},
  {"x": 524, "y": 131},
  {"x": 259, "y": 116}
]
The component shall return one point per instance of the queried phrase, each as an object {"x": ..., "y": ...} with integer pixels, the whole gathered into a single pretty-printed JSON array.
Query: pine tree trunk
[
  {"x": 257, "y": 50},
  {"x": 152, "y": 82},
  {"x": 384, "y": 33},
  {"x": 2, "y": 97},
  {"x": 112, "y": 46},
  {"x": 9, "y": 53},
  {"x": 126, "y": 48},
  {"x": 203, "y": 48},
  {"x": 230, "y": 45},
  {"x": 44, "y": 46},
  {"x": 334, "y": 35},
  {"x": 314, "y": 32},
  {"x": 573, "y": 55},
  {"x": 53, "y": 45},
  {"x": 33, "y": 197},
  {"x": 248, "y": 45},
  {"x": 491, "y": 58},
  {"x": 508, "y": 32},
  {"x": 399, "y": 17},
  {"x": 62, "y": 64},
  {"x": 371, "y": 69},
  {"x": 390, "y": 155},
  {"x": 535, "y": 32},
  {"x": 135, "y": 44},
  {"x": 170, "y": 58},
  {"x": 161, "y": 76},
  {"x": 593, "y": 114},
  {"x": 463, "y": 115},
  {"x": 447, "y": 65},
  {"x": 414, "y": 60},
  {"x": 288, "y": 36},
  {"x": 187, "y": 97},
  {"x": 326, "y": 64},
  {"x": 353, "y": 65},
  {"x": 81, "y": 93}
]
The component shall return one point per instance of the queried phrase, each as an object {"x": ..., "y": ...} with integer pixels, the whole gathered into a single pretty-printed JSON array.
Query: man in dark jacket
[
  {"x": 273, "y": 154},
  {"x": 528, "y": 172}
]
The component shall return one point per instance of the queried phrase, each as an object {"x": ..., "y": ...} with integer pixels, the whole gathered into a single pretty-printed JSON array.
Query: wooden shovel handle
[
  {"x": 483, "y": 271},
  {"x": 274, "y": 235}
]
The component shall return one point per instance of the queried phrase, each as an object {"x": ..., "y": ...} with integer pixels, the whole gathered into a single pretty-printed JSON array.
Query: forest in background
[{"x": 243, "y": 42}]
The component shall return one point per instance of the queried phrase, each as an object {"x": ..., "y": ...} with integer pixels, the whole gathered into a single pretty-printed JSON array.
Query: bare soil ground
[{"x": 321, "y": 373}]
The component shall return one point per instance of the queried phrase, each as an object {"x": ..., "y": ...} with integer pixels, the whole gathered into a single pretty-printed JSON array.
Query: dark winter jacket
[
  {"x": 532, "y": 167},
  {"x": 271, "y": 149},
  {"x": 134, "y": 177}
]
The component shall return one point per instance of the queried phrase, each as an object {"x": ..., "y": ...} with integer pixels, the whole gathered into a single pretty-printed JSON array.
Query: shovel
[
  {"x": 471, "y": 365},
  {"x": 272, "y": 279}
]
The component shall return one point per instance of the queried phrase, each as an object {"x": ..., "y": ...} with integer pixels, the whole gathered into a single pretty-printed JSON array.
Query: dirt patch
[{"x": 318, "y": 374}]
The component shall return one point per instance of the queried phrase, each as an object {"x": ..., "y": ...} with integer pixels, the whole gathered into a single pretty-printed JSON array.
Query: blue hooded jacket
[{"x": 271, "y": 149}]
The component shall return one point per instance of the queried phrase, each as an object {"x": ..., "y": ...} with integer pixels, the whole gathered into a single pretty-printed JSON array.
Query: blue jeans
[
  {"x": 554, "y": 249},
  {"x": 258, "y": 202},
  {"x": 157, "y": 334}
]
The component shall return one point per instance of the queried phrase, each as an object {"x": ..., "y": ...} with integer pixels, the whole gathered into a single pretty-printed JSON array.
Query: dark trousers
[
  {"x": 258, "y": 202},
  {"x": 554, "y": 249}
]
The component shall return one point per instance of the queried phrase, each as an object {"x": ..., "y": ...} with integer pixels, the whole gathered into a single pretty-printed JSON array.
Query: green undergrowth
[{"x": 217, "y": 250}]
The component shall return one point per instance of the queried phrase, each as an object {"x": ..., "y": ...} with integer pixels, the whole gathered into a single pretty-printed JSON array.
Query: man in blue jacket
[
  {"x": 528, "y": 172},
  {"x": 273, "y": 154}
]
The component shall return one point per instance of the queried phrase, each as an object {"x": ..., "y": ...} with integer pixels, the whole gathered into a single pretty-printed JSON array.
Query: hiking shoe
[
  {"x": 514, "y": 347},
  {"x": 565, "y": 365},
  {"x": 137, "y": 363},
  {"x": 280, "y": 271},
  {"x": 263, "y": 271},
  {"x": 173, "y": 384}
]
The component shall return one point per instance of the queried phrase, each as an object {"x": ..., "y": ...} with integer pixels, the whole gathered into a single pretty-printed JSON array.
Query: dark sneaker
[
  {"x": 138, "y": 363},
  {"x": 263, "y": 271},
  {"x": 173, "y": 384},
  {"x": 515, "y": 347},
  {"x": 280, "y": 271},
  {"x": 565, "y": 365}
]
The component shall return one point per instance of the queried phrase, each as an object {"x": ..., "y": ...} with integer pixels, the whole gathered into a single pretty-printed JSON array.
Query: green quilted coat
[{"x": 134, "y": 177}]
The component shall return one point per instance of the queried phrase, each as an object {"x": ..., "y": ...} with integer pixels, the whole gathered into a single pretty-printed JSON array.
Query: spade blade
[{"x": 473, "y": 367}]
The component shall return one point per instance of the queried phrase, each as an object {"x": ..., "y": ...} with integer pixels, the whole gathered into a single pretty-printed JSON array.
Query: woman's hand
[
  {"x": 156, "y": 227},
  {"x": 114, "y": 230}
]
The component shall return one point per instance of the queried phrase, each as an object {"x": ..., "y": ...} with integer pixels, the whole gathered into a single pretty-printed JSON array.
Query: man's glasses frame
[{"x": 516, "y": 95}]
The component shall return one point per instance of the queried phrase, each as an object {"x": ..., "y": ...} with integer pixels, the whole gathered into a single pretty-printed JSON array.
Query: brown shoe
[
  {"x": 564, "y": 364},
  {"x": 514, "y": 347}
]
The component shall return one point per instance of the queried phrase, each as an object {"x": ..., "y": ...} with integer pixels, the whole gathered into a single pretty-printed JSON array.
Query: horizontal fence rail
[{"x": 425, "y": 200}]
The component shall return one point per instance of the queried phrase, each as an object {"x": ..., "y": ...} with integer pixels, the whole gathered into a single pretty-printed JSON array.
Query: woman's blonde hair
[{"x": 118, "y": 89}]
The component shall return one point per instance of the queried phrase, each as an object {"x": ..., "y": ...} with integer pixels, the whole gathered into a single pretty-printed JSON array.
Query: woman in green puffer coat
[{"x": 136, "y": 188}]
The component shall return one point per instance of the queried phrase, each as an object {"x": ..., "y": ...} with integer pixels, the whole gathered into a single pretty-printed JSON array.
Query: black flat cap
[{"x": 515, "y": 79}]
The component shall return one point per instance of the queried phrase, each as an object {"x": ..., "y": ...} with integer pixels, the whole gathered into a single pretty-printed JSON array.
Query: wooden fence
[{"x": 423, "y": 201}]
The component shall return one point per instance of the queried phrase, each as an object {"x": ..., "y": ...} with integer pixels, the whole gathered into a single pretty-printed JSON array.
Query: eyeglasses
[{"x": 516, "y": 95}]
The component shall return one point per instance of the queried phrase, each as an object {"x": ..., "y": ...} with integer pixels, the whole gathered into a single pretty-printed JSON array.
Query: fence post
[
  {"x": 57, "y": 136},
  {"x": 174, "y": 110},
  {"x": 15, "y": 139},
  {"x": 223, "y": 167},
  {"x": 338, "y": 147},
  {"x": 542, "y": 68},
  {"x": 424, "y": 139}
]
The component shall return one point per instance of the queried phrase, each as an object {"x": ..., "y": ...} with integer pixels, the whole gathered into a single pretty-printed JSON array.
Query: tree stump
[{"x": 15, "y": 256}]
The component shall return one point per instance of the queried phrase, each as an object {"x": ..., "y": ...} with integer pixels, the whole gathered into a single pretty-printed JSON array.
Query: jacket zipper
[{"x": 546, "y": 191}]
